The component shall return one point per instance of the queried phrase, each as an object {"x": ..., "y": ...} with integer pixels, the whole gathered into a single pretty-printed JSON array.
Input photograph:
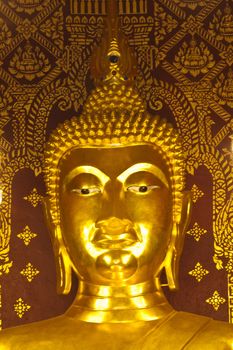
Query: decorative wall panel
[{"x": 184, "y": 52}]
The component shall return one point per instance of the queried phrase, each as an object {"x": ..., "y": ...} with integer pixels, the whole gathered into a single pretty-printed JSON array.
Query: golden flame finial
[{"x": 113, "y": 61}]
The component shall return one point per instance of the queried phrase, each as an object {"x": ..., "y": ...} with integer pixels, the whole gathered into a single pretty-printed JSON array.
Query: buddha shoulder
[
  {"x": 55, "y": 333},
  {"x": 66, "y": 333},
  {"x": 180, "y": 331},
  {"x": 190, "y": 331},
  {"x": 29, "y": 336}
]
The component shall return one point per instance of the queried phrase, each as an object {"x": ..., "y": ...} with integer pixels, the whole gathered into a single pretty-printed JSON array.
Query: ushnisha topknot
[{"x": 114, "y": 115}]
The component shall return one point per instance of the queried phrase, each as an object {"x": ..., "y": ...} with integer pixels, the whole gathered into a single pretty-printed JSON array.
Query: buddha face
[{"x": 116, "y": 212}]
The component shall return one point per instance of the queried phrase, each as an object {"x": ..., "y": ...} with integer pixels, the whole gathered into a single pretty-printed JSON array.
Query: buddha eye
[
  {"x": 142, "y": 188},
  {"x": 86, "y": 190}
]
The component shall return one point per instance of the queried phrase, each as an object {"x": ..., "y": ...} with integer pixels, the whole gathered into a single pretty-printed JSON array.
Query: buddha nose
[{"x": 113, "y": 202}]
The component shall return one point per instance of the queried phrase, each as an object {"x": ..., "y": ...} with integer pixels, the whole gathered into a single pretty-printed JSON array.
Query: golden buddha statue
[{"x": 117, "y": 214}]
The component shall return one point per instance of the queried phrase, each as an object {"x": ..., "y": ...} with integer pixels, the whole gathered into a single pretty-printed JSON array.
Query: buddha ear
[
  {"x": 186, "y": 211},
  {"x": 62, "y": 259},
  {"x": 48, "y": 215},
  {"x": 171, "y": 262},
  {"x": 185, "y": 216}
]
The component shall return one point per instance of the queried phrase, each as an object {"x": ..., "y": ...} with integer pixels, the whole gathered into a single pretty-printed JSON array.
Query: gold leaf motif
[
  {"x": 229, "y": 153},
  {"x": 53, "y": 28},
  {"x": 196, "y": 232},
  {"x": 5, "y": 35},
  {"x": 192, "y": 162},
  {"x": 5, "y": 267},
  {"x": 194, "y": 58},
  {"x": 164, "y": 23},
  {"x": 223, "y": 235},
  {"x": 216, "y": 300},
  {"x": 196, "y": 193},
  {"x": 34, "y": 198},
  {"x": 26, "y": 235},
  {"x": 20, "y": 307},
  {"x": 29, "y": 272},
  {"x": 198, "y": 272}
]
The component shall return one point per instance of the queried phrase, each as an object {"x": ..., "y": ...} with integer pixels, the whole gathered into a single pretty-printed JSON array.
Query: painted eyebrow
[
  {"x": 86, "y": 169},
  {"x": 150, "y": 168}
]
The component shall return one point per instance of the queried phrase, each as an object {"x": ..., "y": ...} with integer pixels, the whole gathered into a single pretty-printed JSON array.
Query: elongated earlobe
[
  {"x": 63, "y": 264},
  {"x": 62, "y": 259},
  {"x": 172, "y": 260}
]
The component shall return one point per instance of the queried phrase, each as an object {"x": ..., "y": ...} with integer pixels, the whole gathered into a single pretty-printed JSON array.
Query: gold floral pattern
[
  {"x": 216, "y": 300},
  {"x": 198, "y": 272},
  {"x": 53, "y": 28},
  {"x": 29, "y": 272},
  {"x": 27, "y": 28},
  {"x": 164, "y": 23},
  {"x": 227, "y": 55},
  {"x": 196, "y": 193},
  {"x": 21, "y": 307},
  {"x": 34, "y": 197},
  {"x": 26, "y": 235},
  {"x": 224, "y": 232},
  {"x": 196, "y": 231},
  {"x": 191, "y": 25},
  {"x": 5, "y": 35}
]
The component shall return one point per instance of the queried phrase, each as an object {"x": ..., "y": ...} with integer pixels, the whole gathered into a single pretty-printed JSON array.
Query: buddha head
[{"x": 115, "y": 178}]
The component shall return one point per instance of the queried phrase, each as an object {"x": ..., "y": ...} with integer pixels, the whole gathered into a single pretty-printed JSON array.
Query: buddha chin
[{"x": 118, "y": 265}]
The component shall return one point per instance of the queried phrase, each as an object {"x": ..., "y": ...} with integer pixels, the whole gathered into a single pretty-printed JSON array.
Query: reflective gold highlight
[
  {"x": 117, "y": 214},
  {"x": 144, "y": 167},
  {"x": 106, "y": 121}
]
